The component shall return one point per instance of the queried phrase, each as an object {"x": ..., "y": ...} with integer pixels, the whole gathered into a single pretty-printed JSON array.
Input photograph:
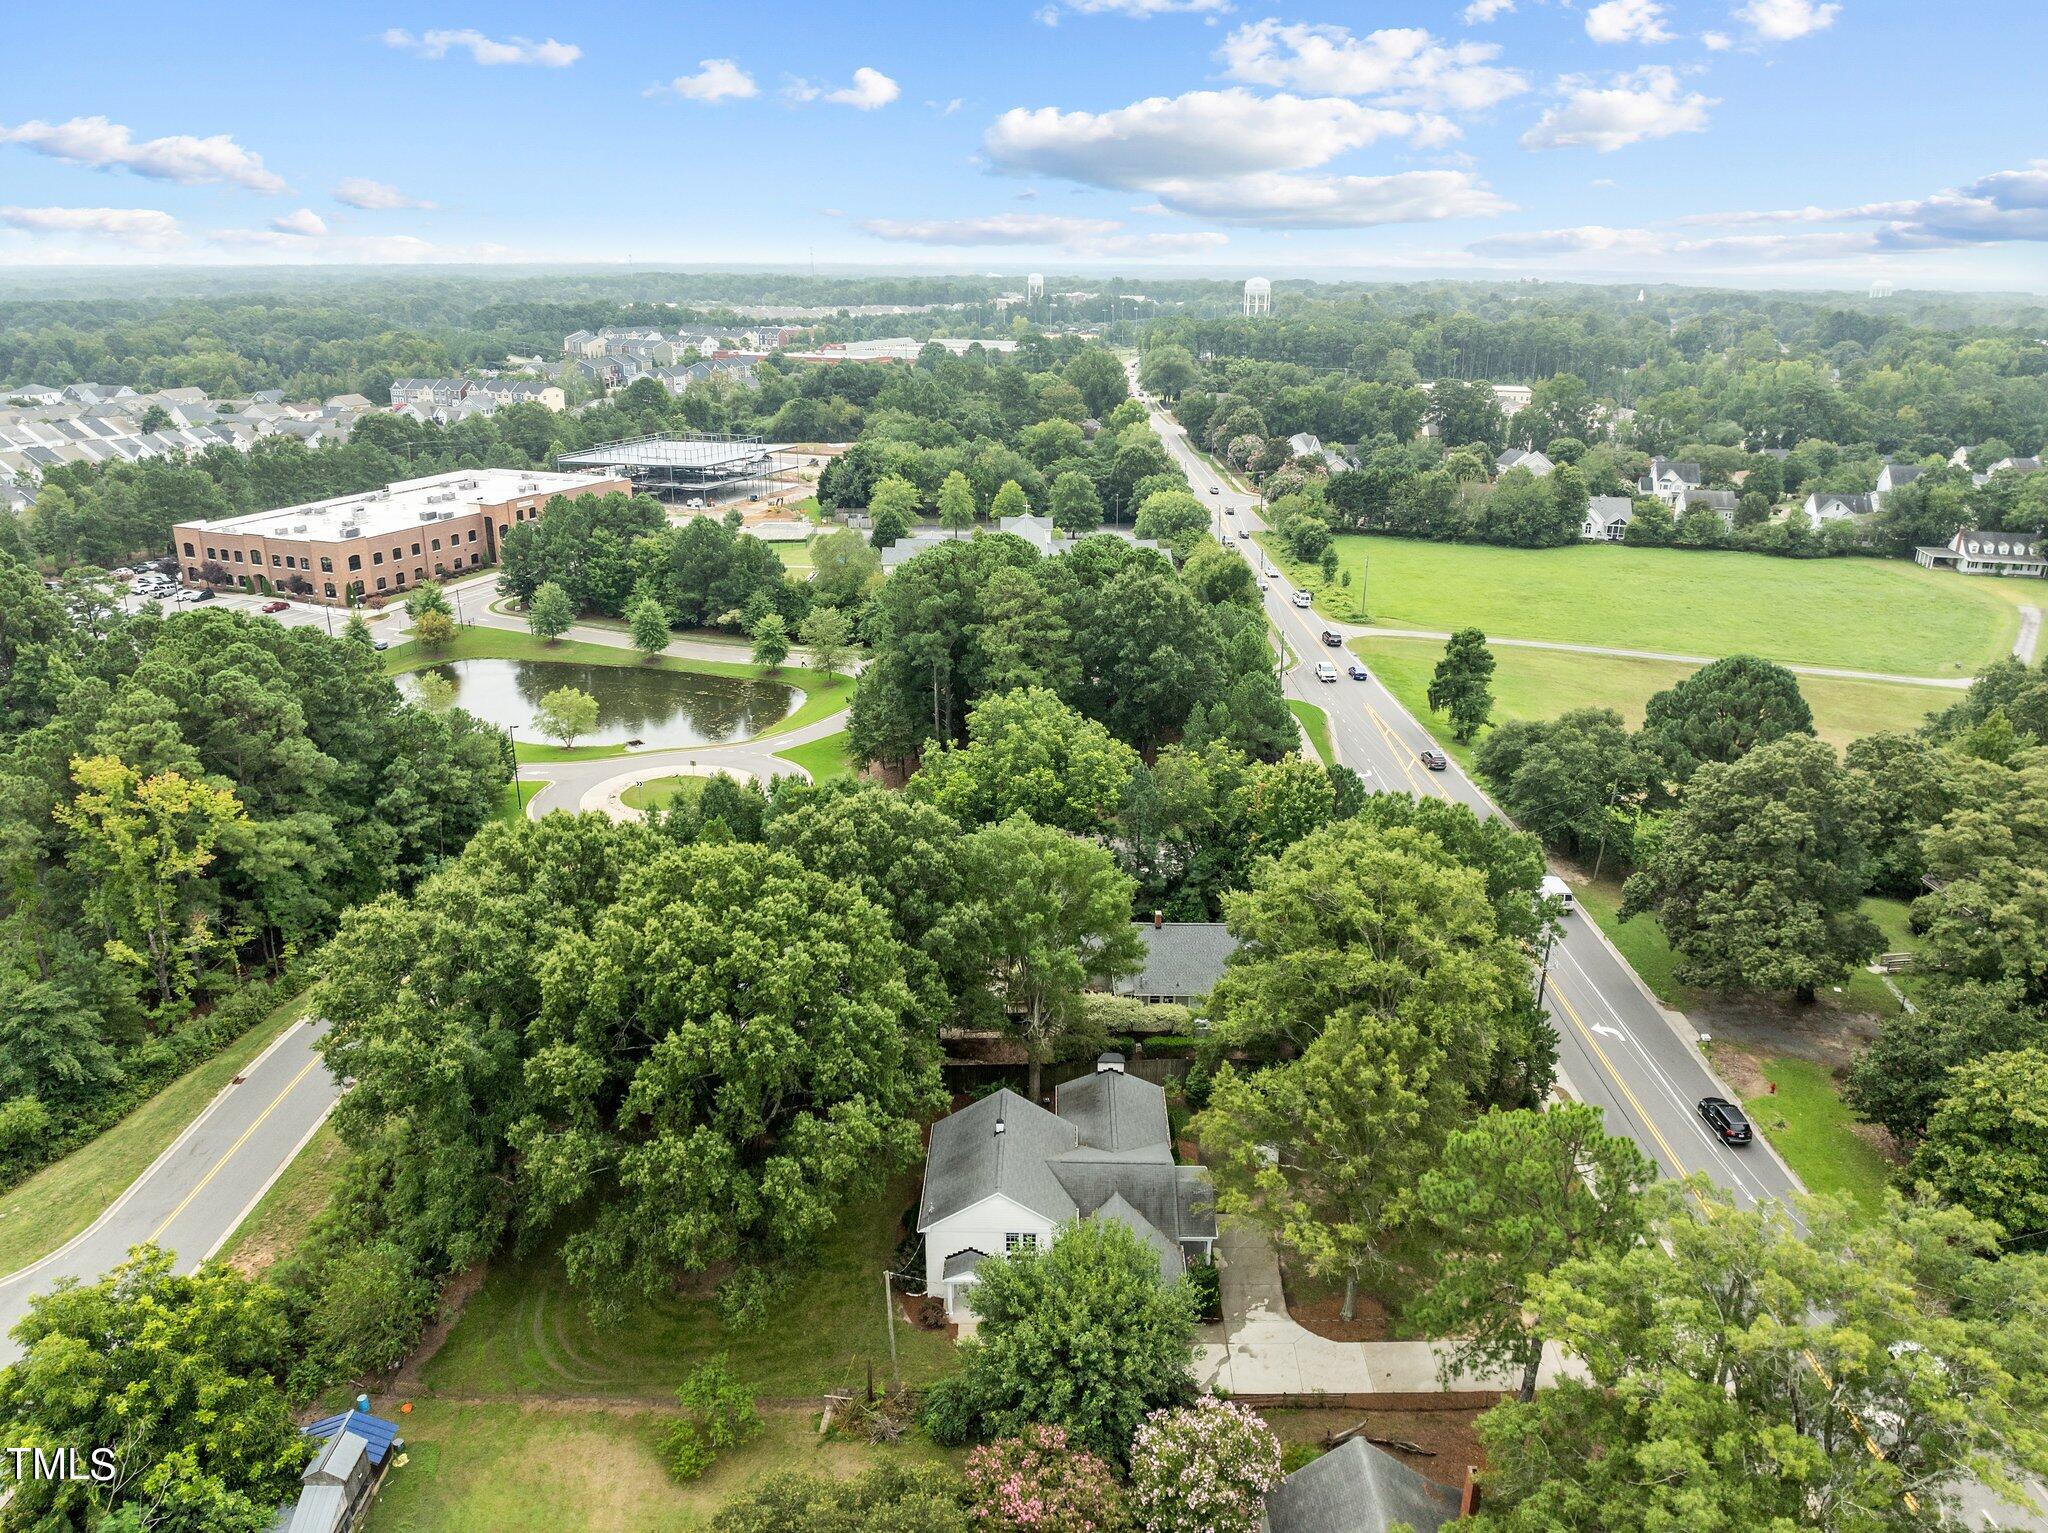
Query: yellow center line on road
[
  {"x": 186, "y": 1201},
  {"x": 1870, "y": 1445}
]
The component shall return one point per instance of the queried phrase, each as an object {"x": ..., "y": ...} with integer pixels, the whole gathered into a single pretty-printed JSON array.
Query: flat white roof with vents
[{"x": 407, "y": 503}]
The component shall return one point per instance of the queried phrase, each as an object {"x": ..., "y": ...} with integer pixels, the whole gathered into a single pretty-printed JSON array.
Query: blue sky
[{"x": 1762, "y": 142}]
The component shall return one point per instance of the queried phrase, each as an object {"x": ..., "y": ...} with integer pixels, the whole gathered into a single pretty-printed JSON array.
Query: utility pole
[
  {"x": 889, "y": 1314},
  {"x": 1543, "y": 976}
]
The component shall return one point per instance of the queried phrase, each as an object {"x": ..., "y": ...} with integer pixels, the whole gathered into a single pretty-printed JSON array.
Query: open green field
[
  {"x": 516, "y": 1468},
  {"x": 824, "y": 759},
  {"x": 527, "y": 1333},
  {"x": 1317, "y": 723},
  {"x": 823, "y": 695},
  {"x": 62, "y": 1199},
  {"x": 1863, "y": 614},
  {"x": 1542, "y": 683}
]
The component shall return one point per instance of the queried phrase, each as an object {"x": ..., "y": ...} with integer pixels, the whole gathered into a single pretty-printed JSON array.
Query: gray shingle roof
[
  {"x": 1182, "y": 958},
  {"x": 1356, "y": 1488},
  {"x": 1114, "y": 1111},
  {"x": 970, "y": 1161},
  {"x": 963, "y": 1262},
  {"x": 1171, "y": 1263}
]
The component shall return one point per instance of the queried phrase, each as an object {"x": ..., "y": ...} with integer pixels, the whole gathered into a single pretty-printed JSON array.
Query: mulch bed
[{"x": 1317, "y": 1309}]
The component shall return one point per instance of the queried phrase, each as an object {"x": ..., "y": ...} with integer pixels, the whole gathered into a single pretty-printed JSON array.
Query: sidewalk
[{"x": 1259, "y": 1350}]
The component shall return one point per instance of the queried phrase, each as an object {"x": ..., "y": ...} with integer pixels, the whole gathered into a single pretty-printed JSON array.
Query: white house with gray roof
[
  {"x": 1669, "y": 479},
  {"x": 1003, "y": 1174},
  {"x": 1607, "y": 518}
]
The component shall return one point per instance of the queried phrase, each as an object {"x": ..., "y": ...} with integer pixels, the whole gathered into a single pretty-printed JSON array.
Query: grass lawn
[
  {"x": 1641, "y": 941},
  {"x": 824, "y": 759},
  {"x": 62, "y": 1199},
  {"x": 795, "y": 557},
  {"x": 527, "y": 1333},
  {"x": 1865, "y": 614},
  {"x": 534, "y": 1469},
  {"x": 1542, "y": 683},
  {"x": 276, "y": 1225},
  {"x": 1814, "y": 1130},
  {"x": 1317, "y": 723},
  {"x": 823, "y": 695},
  {"x": 514, "y": 798},
  {"x": 660, "y": 792}
]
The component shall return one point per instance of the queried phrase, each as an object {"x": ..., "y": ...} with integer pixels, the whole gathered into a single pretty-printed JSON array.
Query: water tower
[
  {"x": 1258, "y": 297},
  {"x": 1034, "y": 287}
]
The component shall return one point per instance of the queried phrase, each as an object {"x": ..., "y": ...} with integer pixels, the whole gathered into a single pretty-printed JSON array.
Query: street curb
[{"x": 128, "y": 1192}]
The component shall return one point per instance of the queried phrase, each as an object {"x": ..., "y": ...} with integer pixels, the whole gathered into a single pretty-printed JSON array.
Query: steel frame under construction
[{"x": 671, "y": 467}]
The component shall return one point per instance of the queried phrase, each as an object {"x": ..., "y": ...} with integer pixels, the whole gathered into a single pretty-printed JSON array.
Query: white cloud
[
  {"x": 182, "y": 158},
  {"x": 1717, "y": 42},
  {"x": 996, "y": 229},
  {"x": 139, "y": 228},
  {"x": 1081, "y": 236},
  {"x": 375, "y": 196},
  {"x": 1479, "y": 12},
  {"x": 353, "y": 249},
  {"x": 715, "y": 80},
  {"x": 2007, "y": 207},
  {"x": 1783, "y": 21},
  {"x": 1627, "y": 21},
  {"x": 1200, "y": 134},
  {"x": 1276, "y": 201},
  {"x": 1225, "y": 155},
  {"x": 1404, "y": 66},
  {"x": 870, "y": 89},
  {"x": 440, "y": 42},
  {"x": 946, "y": 108},
  {"x": 304, "y": 222},
  {"x": 1140, "y": 10},
  {"x": 1642, "y": 104}
]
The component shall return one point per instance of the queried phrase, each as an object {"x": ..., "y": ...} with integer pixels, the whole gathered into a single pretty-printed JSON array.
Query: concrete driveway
[{"x": 1259, "y": 1350}]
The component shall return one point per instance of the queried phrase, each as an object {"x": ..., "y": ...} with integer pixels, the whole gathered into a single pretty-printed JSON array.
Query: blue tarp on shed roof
[{"x": 378, "y": 1433}]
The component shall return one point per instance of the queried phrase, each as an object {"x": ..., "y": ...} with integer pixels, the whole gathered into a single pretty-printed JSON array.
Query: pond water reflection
[{"x": 658, "y": 708}]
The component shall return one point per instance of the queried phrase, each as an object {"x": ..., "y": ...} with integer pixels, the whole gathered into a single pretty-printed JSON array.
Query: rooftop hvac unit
[
  {"x": 447, "y": 516},
  {"x": 465, "y": 484},
  {"x": 429, "y": 514},
  {"x": 298, "y": 527},
  {"x": 351, "y": 532},
  {"x": 279, "y": 532}
]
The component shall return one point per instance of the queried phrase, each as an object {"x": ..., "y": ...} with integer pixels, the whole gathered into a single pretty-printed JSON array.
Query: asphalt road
[
  {"x": 200, "y": 1189},
  {"x": 1617, "y": 1048}
]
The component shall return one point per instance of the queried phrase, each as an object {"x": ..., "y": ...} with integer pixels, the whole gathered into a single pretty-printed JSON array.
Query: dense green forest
[{"x": 187, "y": 806}]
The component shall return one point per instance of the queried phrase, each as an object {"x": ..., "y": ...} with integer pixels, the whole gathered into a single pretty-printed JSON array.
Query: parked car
[
  {"x": 1356, "y": 671},
  {"x": 1435, "y": 760},
  {"x": 1325, "y": 671},
  {"x": 1332, "y": 640},
  {"x": 1726, "y": 1119},
  {"x": 1299, "y": 598},
  {"x": 202, "y": 594},
  {"x": 276, "y": 606}
]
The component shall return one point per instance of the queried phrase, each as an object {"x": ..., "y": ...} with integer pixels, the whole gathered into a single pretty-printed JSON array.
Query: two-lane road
[
  {"x": 200, "y": 1189},
  {"x": 1617, "y": 1048}
]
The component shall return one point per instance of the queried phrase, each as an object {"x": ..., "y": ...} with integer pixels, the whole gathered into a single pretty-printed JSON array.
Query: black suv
[
  {"x": 1332, "y": 639},
  {"x": 1725, "y": 1119}
]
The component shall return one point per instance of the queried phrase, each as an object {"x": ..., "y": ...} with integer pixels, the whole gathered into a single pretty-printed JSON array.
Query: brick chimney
[
  {"x": 1158, "y": 919},
  {"x": 1468, "y": 1498}
]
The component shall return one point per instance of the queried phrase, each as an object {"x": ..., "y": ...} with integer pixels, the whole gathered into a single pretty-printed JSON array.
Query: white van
[
  {"x": 1555, "y": 888},
  {"x": 1299, "y": 598}
]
